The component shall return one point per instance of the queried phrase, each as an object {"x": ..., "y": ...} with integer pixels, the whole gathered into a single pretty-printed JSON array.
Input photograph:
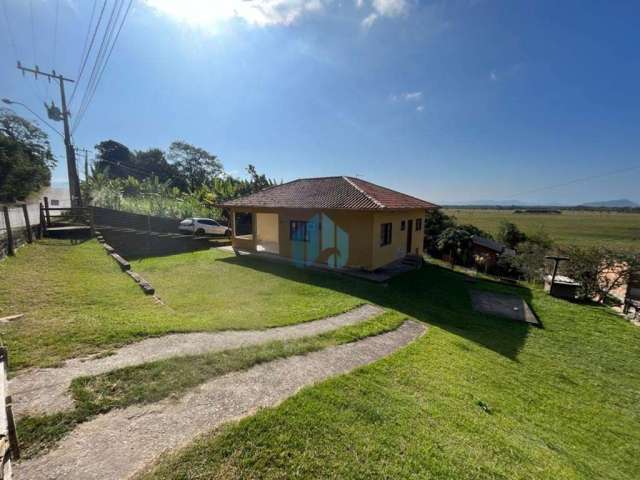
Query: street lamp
[{"x": 11, "y": 102}]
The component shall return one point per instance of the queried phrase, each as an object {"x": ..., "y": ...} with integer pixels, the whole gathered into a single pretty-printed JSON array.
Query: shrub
[{"x": 510, "y": 234}]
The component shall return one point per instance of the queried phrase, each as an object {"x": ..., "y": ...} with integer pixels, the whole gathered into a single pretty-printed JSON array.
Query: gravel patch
[
  {"x": 46, "y": 390},
  {"x": 121, "y": 443}
]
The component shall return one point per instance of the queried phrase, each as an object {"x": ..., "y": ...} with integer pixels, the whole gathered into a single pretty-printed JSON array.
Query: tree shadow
[{"x": 432, "y": 294}]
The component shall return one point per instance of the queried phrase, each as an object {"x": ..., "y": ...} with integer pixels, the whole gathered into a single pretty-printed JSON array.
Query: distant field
[{"x": 616, "y": 230}]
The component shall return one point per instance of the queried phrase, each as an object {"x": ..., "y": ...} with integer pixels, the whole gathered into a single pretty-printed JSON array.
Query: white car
[{"x": 203, "y": 226}]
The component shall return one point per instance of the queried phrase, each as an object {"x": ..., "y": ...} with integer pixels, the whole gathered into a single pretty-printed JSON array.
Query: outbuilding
[{"x": 332, "y": 221}]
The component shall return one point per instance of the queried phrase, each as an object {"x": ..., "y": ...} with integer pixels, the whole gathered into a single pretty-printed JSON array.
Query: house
[
  {"x": 486, "y": 251},
  {"x": 333, "y": 221}
]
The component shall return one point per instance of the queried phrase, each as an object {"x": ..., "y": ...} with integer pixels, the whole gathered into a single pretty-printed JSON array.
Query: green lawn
[
  {"x": 154, "y": 381},
  {"x": 76, "y": 300},
  {"x": 477, "y": 397},
  {"x": 616, "y": 230}
]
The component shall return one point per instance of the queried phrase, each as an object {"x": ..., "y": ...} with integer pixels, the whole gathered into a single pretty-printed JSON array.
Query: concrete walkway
[
  {"x": 45, "y": 390},
  {"x": 121, "y": 443}
]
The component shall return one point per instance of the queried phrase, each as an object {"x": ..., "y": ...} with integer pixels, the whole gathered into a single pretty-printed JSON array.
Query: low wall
[{"x": 136, "y": 221}]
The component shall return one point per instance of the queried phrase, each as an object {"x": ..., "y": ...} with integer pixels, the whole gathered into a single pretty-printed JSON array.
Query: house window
[
  {"x": 385, "y": 234},
  {"x": 418, "y": 224},
  {"x": 55, "y": 203},
  {"x": 402, "y": 225},
  {"x": 298, "y": 231}
]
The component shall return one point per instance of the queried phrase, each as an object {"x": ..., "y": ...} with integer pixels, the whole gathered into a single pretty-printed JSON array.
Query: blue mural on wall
[{"x": 325, "y": 243}]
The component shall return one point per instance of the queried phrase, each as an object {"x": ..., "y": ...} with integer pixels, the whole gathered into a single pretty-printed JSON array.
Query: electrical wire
[
  {"x": 97, "y": 65},
  {"x": 86, "y": 51},
  {"x": 576, "y": 180},
  {"x": 14, "y": 47},
  {"x": 33, "y": 47},
  {"x": 55, "y": 41},
  {"x": 9, "y": 32},
  {"x": 40, "y": 118},
  {"x": 104, "y": 66}
]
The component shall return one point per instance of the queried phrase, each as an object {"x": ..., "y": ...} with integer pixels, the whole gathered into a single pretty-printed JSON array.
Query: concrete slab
[{"x": 503, "y": 305}]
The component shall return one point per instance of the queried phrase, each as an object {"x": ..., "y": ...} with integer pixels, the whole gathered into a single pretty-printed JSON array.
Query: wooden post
[
  {"x": 148, "y": 234},
  {"x": 43, "y": 227},
  {"x": 92, "y": 221},
  {"x": 25, "y": 210},
  {"x": 7, "y": 223},
  {"x": 46, "y": 211}
]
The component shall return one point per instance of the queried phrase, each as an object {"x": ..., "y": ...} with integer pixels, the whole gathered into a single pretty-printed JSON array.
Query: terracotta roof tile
[{"x": 330, "y": 193}]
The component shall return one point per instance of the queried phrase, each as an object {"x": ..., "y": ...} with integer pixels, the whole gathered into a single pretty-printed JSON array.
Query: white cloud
[
  {"x": 507, "y": 72},
  {"x": 390, "y": 8},
  {"x": 412, "y": 96},
  {"x": 206, "y": 13},
  {"x": 359, "y": 3},
  {"x": 369, "y": 20},
  {"x": 384, "y": 8}
]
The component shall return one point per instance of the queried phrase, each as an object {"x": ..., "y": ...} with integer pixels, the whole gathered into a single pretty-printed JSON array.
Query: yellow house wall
[
  {"x": 357, "y": 227},
  {"x": 397, "y": 249},
  {"x": 361, "y": 228}
]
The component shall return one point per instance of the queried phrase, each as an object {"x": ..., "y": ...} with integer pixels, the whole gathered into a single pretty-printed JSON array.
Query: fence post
[
  {"x": 7, "y": 222},
  {"x": 92, "y": 221},
  {"x": 43, "y": 226},
  {"x": 25, "y": 210},
  {"x": 46, "y": 211},
  {"x": 148, "y": 234}
]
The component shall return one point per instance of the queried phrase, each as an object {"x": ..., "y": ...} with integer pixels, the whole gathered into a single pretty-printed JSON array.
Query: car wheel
[{"x": 200, "y": 231}]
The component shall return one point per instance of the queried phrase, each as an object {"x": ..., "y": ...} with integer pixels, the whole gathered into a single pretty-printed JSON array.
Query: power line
[
  {"x": 14, "y": 47},
  {"x": 55, "y": 40},
  {"x": 9, "y": 33},
  {"x": 106, "y": 37},
  {"x": 577, "y": 180},
  {"x": 33, "y": 46},
  {"x": 106, "y": 62},
  {"x": 86, "y": 51},
  {"x": 38, "y": 116}
]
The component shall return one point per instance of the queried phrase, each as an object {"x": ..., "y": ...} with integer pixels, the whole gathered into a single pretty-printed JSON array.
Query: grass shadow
[{"x": 432, "y": 294}]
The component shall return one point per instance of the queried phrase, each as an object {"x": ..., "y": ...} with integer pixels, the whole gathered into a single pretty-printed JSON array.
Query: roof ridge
[
  {"x": 396, "y": 191},
  {"x": 348, "y": 180}
]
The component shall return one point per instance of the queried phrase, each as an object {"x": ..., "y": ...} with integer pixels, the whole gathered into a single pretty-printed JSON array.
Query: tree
[
  {"x": 114, "y": 160},
  {"x": 25, "y": 157},
  {"x": 435, "y": 222},
  {"x": 599, "y": 269},
  {"x": 153, "y": 163},
  {"x": 529, "y": 261},
  {"x": 197, "y": 166},
  {"x": 509, "y": 234},
  {"x": 456, "y": 242}
]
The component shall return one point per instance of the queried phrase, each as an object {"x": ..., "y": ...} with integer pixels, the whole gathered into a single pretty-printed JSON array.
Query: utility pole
[
  {"x": 72, "y": 171},
  {"x": 86, "y": 161}
]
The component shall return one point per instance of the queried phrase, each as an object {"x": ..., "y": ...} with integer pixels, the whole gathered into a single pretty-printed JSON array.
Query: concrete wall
[{"x": 338, "y": 237}]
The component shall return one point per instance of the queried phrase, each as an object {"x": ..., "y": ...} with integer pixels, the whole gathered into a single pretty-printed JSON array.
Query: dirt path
[
  {"x": 45, "y": 390},
  {"x": 123, "y": 442}
]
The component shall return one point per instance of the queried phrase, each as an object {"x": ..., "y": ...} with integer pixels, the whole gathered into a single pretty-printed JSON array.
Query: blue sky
[{"x": 451, "y": 101}]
